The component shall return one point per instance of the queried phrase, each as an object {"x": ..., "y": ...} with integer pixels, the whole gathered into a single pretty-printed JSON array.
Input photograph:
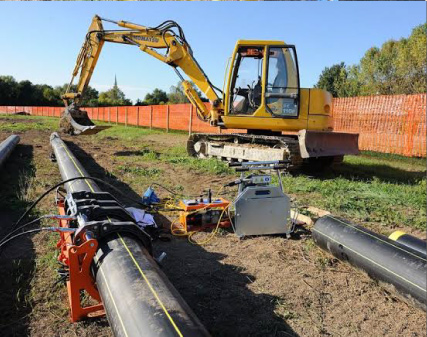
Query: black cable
[
  {"x": 23, "y": 233},
  {"x": 167, "y": 189},
  {"x": 69, "y": 180},
  {"x": 20, "y": 227}
]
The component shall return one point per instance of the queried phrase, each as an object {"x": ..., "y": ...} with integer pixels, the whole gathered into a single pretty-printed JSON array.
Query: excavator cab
[{"x": 264, "y": 79}]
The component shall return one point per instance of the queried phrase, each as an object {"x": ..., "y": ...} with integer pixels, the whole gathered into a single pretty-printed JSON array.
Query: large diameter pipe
[
  {"x": 410, "y": 241},
  {"x": 382, "y": 258},
  {"x": 138, "y": 298},
  {"x": 7, "y": 146}
]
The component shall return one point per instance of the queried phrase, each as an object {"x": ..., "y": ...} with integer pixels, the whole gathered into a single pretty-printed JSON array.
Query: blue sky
[{"x": 40, "y": 40}]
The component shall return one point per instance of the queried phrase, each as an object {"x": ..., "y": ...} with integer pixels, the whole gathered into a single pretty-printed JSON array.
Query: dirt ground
[{"x": 262, "y": 286}]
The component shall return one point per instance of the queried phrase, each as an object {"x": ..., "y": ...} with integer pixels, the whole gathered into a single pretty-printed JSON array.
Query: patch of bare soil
[
  {"x": 19, "y": 120},
  {"x": 261, "y": 286}
]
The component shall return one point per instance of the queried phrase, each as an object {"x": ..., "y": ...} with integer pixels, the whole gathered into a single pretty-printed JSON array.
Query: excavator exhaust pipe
[{"x": 75, "y": 121}]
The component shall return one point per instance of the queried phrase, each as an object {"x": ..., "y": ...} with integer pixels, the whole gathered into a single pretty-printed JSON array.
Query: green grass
[
  {"x": 12, "y": 124},
  {"x": 140, "y": 171},
  {"x": 127, "y": 134},
  {"x": 367, "y": 201},
  {"x": 177, "y": 155},
  {"x": 371, "y": 188}
]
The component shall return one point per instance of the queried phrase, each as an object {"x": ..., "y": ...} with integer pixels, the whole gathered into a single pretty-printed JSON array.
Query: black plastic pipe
[
  {"x": 138, "y": 298},
  {"x": 7, "y": 146},
  {"x": 382, "y": 258},
  {"x": 409, "y": 241}
]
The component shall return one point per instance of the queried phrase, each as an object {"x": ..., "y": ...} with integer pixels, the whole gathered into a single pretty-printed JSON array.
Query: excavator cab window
[
  {"x": 282, "y": 91},
  {"x": 246, "y": 86}
]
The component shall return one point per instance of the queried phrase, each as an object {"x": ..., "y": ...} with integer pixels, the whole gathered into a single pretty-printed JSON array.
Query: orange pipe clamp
[{"x": 78, "y": 259}]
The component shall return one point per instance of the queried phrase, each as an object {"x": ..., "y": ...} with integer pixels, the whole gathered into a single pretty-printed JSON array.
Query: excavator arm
[{"x": 167, "y": 37}]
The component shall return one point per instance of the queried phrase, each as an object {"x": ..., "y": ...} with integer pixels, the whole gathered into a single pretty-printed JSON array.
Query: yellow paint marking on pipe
[
  {"x": 114, "y": 303},
  {"x": 78, "y": 168},
  {"x": 370, "y": 260},
  {"x": 396, "y": 235},
  {"x": 134, "y": 261},
  {"x": 151, "y": 288},
  {"x": 376, "y": 238}
]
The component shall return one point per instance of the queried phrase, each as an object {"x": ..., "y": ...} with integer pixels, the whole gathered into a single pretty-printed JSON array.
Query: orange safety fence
[{"x": 389, "y": 124}]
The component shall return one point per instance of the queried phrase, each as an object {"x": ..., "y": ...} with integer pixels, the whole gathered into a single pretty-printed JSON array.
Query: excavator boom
[
  {"x": 262, "y": 96},
  {"x": 167, "y": 36}
]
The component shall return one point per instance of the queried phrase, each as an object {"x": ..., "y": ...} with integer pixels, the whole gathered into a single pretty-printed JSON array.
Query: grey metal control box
[{"x": 261, "y": 210}]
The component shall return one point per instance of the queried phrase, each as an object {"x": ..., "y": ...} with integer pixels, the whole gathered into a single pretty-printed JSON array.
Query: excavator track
[
  {"x": 249, "y": 147},
  {"x": 245, "y": 147}
]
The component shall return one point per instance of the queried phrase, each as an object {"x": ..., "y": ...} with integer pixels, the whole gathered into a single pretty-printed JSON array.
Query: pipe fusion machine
[{"x": 261, "y": 207}]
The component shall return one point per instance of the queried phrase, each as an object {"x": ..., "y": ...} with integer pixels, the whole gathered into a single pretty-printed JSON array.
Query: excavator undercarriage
[{"x": 307, "y": 149}]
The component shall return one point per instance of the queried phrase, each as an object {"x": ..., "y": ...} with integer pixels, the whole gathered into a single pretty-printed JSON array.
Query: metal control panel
[{"x": 261, "y": 208}]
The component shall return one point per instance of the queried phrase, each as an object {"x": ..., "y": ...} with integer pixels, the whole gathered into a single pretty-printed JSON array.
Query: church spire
[{"x": 115, "y": 81}]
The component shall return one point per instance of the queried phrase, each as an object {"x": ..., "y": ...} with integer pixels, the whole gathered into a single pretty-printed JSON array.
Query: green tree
[
  {"x": 176, "y": 94},
  {"x": 338, "y": 80},
  {"x": 90, "y": 96},
  {"x": 140, "y": 102},
  {"x": 411, "y": 62},
  {"x": 114, "y": 96},
  {"x": 8, "y": 90},
  {"x": 158, "y": 96},
  {"x": 398, "y": 67}
]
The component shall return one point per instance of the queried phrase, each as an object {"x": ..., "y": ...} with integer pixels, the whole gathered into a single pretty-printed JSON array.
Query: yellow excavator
[{"x": 262, "y": 95}]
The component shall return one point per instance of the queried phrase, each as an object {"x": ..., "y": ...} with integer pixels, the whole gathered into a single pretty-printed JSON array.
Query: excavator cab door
[
  {"x": 265, "y": 80},
  {"x": 247, "y": 78},
  {"x": 282, "y": 91}
]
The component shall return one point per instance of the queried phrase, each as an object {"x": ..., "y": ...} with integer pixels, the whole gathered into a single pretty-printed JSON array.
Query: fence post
[
  {"x": 109, "y": 115},
  {"x": 117, "y": 115},
  {"x": 137, "y": 116},
  {"x": 15, "y": 110},
  {"x": 126, "y": 116},
  {"x": 190, "y": 122},
  {"x": 151, "y": 117},
  {"x": 410, "y": 123},
  {"x": 167, "y": 118}
]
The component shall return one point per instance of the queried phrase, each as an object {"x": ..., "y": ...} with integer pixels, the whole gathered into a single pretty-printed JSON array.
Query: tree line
[
  {"x": 26, "y": 93},
  {"x": 398, "y": 67}
]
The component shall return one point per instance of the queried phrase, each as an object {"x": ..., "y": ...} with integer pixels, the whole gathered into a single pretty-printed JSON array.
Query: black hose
[
  {"x": 20, "y": 227},
  {"x": 23, "y": 233},
  {"x": 165, "y": 188}
]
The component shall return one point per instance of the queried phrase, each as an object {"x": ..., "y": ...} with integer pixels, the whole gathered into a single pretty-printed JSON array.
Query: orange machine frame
[
  {"x": 78, "y": 260},
  {"x": 189, "y": 209}
]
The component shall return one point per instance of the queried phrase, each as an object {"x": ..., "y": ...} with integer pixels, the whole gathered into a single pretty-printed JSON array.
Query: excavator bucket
[
  {"x": 315, "y": 144},
  {"x": 76, "y": 122}
]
